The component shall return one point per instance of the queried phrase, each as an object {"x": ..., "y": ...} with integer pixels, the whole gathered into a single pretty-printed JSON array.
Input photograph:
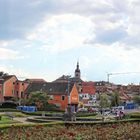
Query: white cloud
[
  {"x": 21, "y": 74},
  {"x": 8, "y": 54},
  {"x": 117, "y": 54},
  {"x": 86, "y": 62},
  {"x": 4, "y": 43},
  {"x": 110, "y": 27},
  {"x": 63, "y": 32}
]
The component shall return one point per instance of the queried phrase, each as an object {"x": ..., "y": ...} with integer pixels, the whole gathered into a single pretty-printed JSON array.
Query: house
[
  {"x": 8, "y": 87},
  {"x": 1, "y": 90},
  {"x": 60, "y": 94},
  {"x": 11, "y": 87},
  {"x": 87, "y": 96},
  {"x": 101, "y": 86},
  {"x": 20, "y": 87}
]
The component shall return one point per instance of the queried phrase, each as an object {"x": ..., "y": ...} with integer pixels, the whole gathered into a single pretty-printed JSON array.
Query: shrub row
[
  {"x": 39, "y": 113},
  {"x": 79, "y": 114},
  {"x": 8, "y": 110},
  {"x": 134, "y": 115},
  {"x": 19, "y": 125}
]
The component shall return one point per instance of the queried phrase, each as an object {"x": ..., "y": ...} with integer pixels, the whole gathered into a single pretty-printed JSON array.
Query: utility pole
[{"x": 108, "y": 76}]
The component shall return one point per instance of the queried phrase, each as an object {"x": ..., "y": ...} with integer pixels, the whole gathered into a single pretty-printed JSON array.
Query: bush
[
  {"x": 52, "y": 107},
  {"x": 8, "y": 105},
  {"x": 79, "y": 114},
  {"x": 47, "y": 113},
  {"x": 8, "y": 110}
]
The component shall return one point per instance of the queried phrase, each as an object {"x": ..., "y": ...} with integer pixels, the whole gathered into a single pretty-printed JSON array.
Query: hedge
[
  {"x": 8, "y": 110},
  {"x": 85, "y": 114},
  {"x": 133, "y": 115},
  {"x": 5, "y": 126}
]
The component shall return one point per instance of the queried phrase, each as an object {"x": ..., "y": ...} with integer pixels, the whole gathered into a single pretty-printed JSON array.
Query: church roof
[{"x": 62, "y": 79}]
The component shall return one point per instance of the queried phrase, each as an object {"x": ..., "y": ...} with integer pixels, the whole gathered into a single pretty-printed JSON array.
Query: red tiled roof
[
  {"x": 88, "y": 87},
  {"x": 5, "y": 78},
  {"x": 124, "y": 95}
]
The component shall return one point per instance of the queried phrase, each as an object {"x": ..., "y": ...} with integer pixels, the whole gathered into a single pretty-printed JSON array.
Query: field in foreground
[{"x": 119, "y": 131}]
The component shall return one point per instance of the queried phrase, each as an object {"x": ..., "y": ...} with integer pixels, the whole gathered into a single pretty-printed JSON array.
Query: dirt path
[{"x": 22, "y": 120}]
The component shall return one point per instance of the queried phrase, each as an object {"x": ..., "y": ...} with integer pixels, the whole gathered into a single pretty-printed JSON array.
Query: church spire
[
  {"x": 77, "y": 66},
  {"x": 77, "y": 71}
]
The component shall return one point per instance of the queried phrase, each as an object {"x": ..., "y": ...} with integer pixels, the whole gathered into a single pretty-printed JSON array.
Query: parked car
[
  {"x": 82, "y": 110},
  {"x": 91, "y": 109}
]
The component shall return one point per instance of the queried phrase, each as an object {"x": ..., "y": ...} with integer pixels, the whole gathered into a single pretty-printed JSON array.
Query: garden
[
  {"x": 89, "y": 126},
  {"x": 116, "y": 131}
]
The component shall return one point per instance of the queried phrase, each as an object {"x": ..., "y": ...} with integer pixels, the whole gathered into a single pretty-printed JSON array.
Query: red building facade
[{"x": 11, "y": 87}]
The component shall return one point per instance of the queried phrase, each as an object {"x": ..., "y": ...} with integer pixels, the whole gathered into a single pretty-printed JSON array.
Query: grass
[{"x": 6, "y": 120}]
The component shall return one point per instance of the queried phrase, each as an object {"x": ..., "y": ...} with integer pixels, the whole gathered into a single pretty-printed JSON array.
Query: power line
[{"x": 109, "y": 74}]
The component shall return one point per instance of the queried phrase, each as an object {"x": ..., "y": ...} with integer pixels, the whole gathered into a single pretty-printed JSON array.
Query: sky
[{"x": 46, "y": 38}]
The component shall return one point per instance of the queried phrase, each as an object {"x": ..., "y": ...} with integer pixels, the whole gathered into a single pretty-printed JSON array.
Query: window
[
  {"x": 13, "y": 83},
  {"x": 62, "y": 97},
  {"x": 58, "y": 105},
  {"x": 17, "y": 83},
  {"x": 13, "y": 92},
  {"x": 22, "y": 84},
  {"x": 0, "y": 91},
  {"x": 22, "y": 95},
  {"x": 17, "y": 94}
]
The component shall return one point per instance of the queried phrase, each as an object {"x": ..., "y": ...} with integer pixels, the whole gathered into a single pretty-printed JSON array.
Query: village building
[
  {"x": 60, "y": 94},
  {"x": 11, "y": 87},
  {"x": 87, "y": 95}
]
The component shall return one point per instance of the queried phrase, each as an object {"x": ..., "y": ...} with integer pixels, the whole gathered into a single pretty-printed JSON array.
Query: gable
[{"x": 74, "y": 97}]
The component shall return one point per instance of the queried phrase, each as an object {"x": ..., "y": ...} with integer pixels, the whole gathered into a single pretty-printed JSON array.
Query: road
[{"x": 131, "y": 110}]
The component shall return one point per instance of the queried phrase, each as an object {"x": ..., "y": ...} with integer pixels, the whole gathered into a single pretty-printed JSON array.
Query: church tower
[{"x": 77, "y": 71}]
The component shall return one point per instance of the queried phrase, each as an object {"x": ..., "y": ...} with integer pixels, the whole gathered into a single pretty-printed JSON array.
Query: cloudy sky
[{"x": 46, "y": 38}]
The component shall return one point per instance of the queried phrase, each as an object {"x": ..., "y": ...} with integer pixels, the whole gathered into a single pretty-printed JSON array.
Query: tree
[
  {"x": 115, "y": 99},
  {"x": 136, "y": 99},
  {"x": 40, "y": 99},
  {"x": 3, "y": 74},
  {"x": 104, "y": 101}
]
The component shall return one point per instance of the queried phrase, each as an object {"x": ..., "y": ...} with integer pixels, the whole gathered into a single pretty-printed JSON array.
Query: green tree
[
  {"x": 115, "y": 99},
  {"x": 136, "y": 99},
  {"x": 38, "y": 98},
  {"x": 104, "y": 101}
]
